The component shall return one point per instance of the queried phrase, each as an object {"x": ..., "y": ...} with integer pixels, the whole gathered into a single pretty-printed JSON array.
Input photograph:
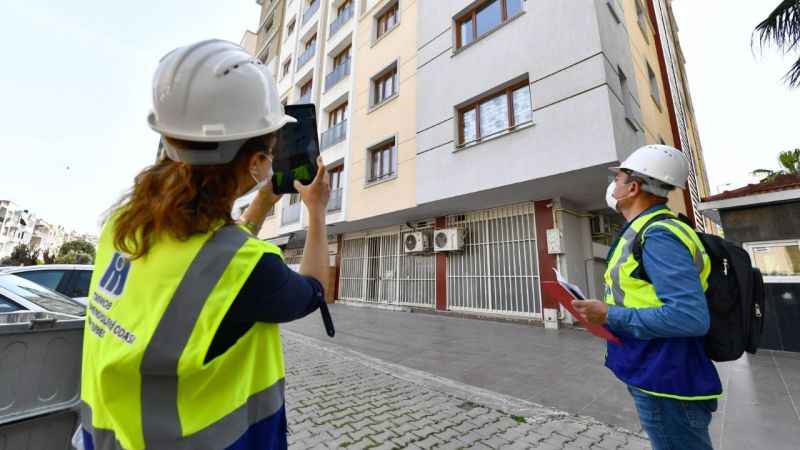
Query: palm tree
[
  {"x": 782, "y": 27},
  {"x": 789, "y": 160}
]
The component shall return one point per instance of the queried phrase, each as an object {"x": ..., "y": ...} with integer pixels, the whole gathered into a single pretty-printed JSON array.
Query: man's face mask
[{"x": 612, "y": 198}]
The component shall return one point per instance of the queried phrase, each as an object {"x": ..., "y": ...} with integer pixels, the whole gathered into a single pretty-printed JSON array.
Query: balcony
[
  {"x": 339, "y": 73},
  {"x": 309, "y": 13},
  {"x": 335, "y": 201},
  {"x": 334, "y": 135},
  {"x": 291, "y": 214},
  {"x": 304, "y": 99},
  {"x": 306, "y": 56},
  {"x": 340, "y": 21}
]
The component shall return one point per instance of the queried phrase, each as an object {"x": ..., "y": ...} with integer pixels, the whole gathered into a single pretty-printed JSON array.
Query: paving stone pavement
[{"x": 337, "y": 398}]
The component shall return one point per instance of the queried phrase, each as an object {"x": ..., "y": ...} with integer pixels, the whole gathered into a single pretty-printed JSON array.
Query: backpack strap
[{"x": 638, "y": 244}]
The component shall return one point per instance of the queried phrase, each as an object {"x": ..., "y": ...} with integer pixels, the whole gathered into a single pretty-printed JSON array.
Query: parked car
[
  {"x": 71, "y": 280},
  {"x": 19, "y": 294}
]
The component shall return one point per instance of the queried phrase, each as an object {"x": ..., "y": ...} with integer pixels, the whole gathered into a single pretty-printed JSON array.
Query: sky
[
  {"x": 76, "y": 91},
  {"x": 745, "y": 112}
]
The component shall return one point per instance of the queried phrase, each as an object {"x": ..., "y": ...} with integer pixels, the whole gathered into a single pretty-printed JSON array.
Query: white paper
[{"x": 575, "y": 290}]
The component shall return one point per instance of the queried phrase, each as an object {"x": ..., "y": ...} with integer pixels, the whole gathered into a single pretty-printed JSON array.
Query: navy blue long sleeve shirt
[
  {"x": 676, "y": 279},
  {"x": 273, "y": 293}
]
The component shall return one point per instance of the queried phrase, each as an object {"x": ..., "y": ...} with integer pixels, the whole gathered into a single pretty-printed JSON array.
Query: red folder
[{"x": 565, "y": 298}]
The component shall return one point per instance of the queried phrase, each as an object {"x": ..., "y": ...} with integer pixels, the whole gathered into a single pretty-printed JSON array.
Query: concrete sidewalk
[{"x": 563, "y": 370}]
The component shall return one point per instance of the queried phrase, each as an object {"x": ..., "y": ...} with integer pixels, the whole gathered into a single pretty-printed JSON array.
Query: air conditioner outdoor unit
[
  {"x": 416, "y": 242},
  {"x": 448, "y": 240}
]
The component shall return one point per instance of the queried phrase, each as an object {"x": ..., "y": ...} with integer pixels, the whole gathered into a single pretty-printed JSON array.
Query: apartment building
[
  {"x": 469, "y": 141},
  {"x": 16, "y": 226}
]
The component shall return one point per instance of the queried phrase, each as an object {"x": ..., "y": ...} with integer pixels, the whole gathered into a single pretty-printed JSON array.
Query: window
[
  {"x": 6, "y": 305},
  {"x": 294, "y": 199},
  {"x": 337, "y": 116},
  {"x": 382, "y": 161},
  {"x": 641, "y": 19},
  {"x": 47, "y": 278},
  {"x": 287, "y": 66},
  {"x": 626, "y": 99},
  {"x": 341, "y": 9},
  {"x": 311, "y": 42},
  {"x": 80, "y": 284},
  {"x": 271, "y": 211},
  {"x": 653, "y": 84},
  {"x": 384, "y": 86},
  {"x": 341, "y": 58},
  {"x": 387, "y": 20},
  {"x": 268, "y": 24},
  {"x": 290, "y": 27},
  {"x": 778, "y": 261},
  {"x": 336, "y": 177},
  {"x": 305, "y": 90},
  {"x": 495, "y": 113},
  {"x": 484, "y": 18}
]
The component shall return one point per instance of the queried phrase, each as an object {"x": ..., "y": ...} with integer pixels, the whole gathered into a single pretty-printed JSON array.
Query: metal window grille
[
  {"x": 375, "y": 269},
  {"x": 497, "y": 272}
]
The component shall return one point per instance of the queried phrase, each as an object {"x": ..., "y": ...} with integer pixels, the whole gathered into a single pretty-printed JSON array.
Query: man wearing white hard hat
[
  {"x": 182, "y": 348},
  {"x": 659, "y": 310}
]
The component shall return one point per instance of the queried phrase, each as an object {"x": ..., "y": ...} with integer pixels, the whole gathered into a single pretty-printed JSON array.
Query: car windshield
[{"x": 41, "y": 296}]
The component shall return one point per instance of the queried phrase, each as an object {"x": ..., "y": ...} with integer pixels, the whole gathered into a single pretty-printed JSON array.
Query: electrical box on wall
[{"x": 554, "y": 244}]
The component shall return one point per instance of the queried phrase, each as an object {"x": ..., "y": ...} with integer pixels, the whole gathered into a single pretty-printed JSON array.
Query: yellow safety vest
[
  {"x": 675, "y": 368},
  {"x": 145, "y": 382}
]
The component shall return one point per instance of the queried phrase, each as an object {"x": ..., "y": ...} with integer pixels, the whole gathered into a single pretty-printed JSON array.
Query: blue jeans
[{"x": 674, "y": 424}]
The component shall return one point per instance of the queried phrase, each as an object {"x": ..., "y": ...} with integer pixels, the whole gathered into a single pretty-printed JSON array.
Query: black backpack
[{"x": 735, "y": 294}]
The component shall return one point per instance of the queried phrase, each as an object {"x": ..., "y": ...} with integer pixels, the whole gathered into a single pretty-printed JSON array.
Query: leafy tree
[
  {"x": 789, "y": 161},
  {"x": 22, "y": 255},
  {"x": 782, "y": 27},
  {"x": 78, "y": 246}
]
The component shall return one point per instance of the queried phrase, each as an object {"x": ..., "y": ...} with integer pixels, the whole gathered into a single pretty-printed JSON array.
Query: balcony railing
[
  {"x": 334, "y": 135},
  {"x": 304, "y": 99},
  {"x": 306, "y": 56},
  {"x": 291, "y": 214},
  {"x": 309, "y": 13},
  {"x": 335, "y": 201},
  {"x": 339, "y": 73},
  {"x": 340, "y": 21}
]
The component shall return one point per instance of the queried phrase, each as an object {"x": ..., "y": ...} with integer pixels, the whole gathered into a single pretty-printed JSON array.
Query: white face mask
[
  {"x": 259, "y": 183},
  {"x": 611, "y": 201}
]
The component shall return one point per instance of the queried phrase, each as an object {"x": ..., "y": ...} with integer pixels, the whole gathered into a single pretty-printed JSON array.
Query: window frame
[
  {"x": 311, "y": 41},
  {"x": 287, "y": 67},
  {"x": 749, "y": 246},
  {"x": 336, "y": 173},
  {"x": 508, "y": 92},
  {"x": 391, "y": 9},
  {"x": 342, "y": 7},
  {"x": 338, "y": 112},
  {"x": 308, "y": 84},
  {"x": 389, "y": 145},
  {"x": 342, "y": 57},
  {"x": 652, "y": 78},
  {"x": 377, "y": 85},
  {"x": 624, "y": 88},
  {"x": 471, "y": 14},
  {"x": 291, "y": 27},
  {"x": 641, "y": 18}
]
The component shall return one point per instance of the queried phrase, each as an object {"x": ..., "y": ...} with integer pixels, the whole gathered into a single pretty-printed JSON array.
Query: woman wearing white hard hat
[{"x": 182, "y": 348}]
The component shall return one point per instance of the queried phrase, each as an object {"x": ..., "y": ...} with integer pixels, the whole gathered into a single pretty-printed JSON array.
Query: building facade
[
  {"x": 469, "y": 141},
  {"x": 16, "y": 227}
]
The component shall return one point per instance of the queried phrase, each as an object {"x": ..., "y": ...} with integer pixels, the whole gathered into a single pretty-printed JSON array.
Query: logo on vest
[{"x": 113, "y": 281}]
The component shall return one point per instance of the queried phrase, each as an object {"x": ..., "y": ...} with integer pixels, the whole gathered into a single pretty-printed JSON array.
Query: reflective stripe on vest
[
  {"x": 698, "y": 380},
  {"x": 622, "y": 289},
  {"x": 183, "y": 402}
]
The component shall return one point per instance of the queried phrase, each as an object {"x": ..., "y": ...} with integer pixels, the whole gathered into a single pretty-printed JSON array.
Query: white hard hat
[
  {"x": 213, "y": 91},
  {"x": 659, "y": 162}
]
